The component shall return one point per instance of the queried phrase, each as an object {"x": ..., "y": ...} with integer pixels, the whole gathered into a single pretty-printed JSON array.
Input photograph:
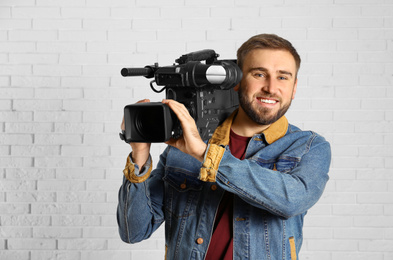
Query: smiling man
[{"x": 244, "y": 193}]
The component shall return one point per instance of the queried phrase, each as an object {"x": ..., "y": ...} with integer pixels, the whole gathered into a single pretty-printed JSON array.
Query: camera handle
[{"x": 154, "y": 89}]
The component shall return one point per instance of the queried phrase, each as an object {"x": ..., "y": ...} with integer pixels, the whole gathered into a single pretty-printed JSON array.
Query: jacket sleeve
[
  {"x": 140, "y": 208},
  {"x": 282, "y": 194}
]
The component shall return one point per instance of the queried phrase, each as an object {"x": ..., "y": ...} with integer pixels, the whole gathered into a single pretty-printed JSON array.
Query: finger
[
  {"x": 143, "y": 100},
  {"x": 179, "y": 109},
  {"x": 122, "y": 126}
]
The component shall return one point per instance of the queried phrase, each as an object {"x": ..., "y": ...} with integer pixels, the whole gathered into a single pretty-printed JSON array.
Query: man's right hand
[{"x": 140, "y": 151}]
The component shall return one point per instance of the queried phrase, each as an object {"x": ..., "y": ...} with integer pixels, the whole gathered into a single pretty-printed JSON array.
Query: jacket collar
[{"x": 274, "y": 132}]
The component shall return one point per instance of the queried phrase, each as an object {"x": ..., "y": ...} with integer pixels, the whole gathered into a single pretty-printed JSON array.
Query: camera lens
[{"x": 148, "y": 121}]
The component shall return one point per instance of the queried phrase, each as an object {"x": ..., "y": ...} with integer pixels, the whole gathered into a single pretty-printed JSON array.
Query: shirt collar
[{"x": 274, "y": 132}]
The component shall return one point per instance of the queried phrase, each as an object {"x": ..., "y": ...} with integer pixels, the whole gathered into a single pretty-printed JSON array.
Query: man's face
[{"x": 268, "y": 85}]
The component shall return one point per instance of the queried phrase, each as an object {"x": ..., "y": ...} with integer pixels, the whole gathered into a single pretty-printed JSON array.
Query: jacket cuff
[
  {"x": 132, "y": 172},
  {"x": 211, "y": 163}
]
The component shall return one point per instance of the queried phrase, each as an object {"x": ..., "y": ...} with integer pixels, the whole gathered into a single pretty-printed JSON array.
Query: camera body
[{"x": 205, "y": 89}]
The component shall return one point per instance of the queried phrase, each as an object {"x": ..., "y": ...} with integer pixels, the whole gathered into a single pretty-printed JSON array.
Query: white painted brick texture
[{"x": 62, "y": 95}]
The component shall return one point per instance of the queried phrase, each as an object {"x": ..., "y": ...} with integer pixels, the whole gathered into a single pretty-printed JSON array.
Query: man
[{"x": 244, "y": 193}]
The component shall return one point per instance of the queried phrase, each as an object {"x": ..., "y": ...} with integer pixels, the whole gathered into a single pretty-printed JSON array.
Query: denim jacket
[{"x": 283, "y": 175}]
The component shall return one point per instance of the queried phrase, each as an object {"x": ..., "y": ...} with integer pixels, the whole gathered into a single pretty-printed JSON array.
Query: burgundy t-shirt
[{"x": 221, "y": 244}]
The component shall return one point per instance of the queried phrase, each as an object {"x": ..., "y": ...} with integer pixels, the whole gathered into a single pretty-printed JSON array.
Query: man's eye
[
  {"x": 282, "y": 78},
  {"x": 259, "y": 75}
]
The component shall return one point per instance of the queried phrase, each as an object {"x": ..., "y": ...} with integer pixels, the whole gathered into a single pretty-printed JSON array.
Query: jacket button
[
  {"x": 199, "y": 241},
  {"x": 213, "y": 187},
  {"x": 183, "y": 186}
]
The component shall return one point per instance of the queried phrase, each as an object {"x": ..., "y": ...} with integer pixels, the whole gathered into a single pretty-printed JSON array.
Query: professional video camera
[{"x": 206, "y": 90}]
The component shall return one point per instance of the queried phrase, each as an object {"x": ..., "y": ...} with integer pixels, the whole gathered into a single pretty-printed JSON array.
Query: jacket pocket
[
  {"x": 292, "y": 246},
  {"x": 283, "y": 164},
  {"x": 182, "y": 192}
]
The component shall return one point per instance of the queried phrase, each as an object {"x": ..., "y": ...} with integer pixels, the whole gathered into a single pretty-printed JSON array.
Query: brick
[
  {"x": 8, "y": 254},
  {"x": 333, "y": 57},
  {"x": 18, "y": 2},
  {"x": 81, "y": 197},
  {"x": 302, "y": 22},
  {"x": 32, "y": 12},
  {"x": 59, "y": 3},
  {"x": 355, "y": 22},
  {"x": 30, "y": 174},
  {"x": 33, "y": 35},
  {"x": 55, "y": 254},
  {"x": 86, "y": 105},
  {"x": 17, "y": 47},
  {"x": 80, "y": 173},
  {"x": 121, "y": 44},
  {"x": 86, "y": 82},
  {"x": 174, "y": 3},
  {"x": 57, "y": 232},
  {"x": 57, "y": 70},
  {"x": 35, "y": 150},
  {"x": 104, "y": 232},
  {"x": 186, "y": 12},
  {"x": 81, "y": 244},
  {"x": 58, "y": 162},
  {"x": 75, "y": 220},
  {"x": 376, "y": 246},
  {"x": 76, "y": 127},
  {"x": 13, "y": 116},
  {"x": 15, "y": 69},
  {"x": 54, "y": 209},
  {"x": 195, "y": 23},
  {"x": 15, "y": 23},
  {"x": 33, "y": 196},
  {"x": 15, "y": 232},
  {"x": 357, "y": 256},
  {"x": 61, "y": 46},
  {"x": 34, "y": 105},
  {"x": 85, "y": 12},
  {"x": 103, "y": 185},
  {"x": 28, "y": 127},
  {"x": 91, "y": 151},
  {"x": 333, "y": 245},
  {"x": 5, "y": 12},
  {"x": 65, "y": 185},
  {"x": 57, "y": 24},
  {"x": 98, "y": 208},
  {"x": 15, "y": 208},
  {"x": 108, "y": 254},
  {"x": 134, "y": 12},
  {"x": 31, "y": 244},
  {"x": 58, "y": 93},
  {"x": 156, "y": 23},
  {"x": 375, "y": 198},
  {"x": 59, "y": 116},
  {"x": 25, "y": 220},
  {"x": 332, "y": 34},
  {"x": 177, "y": 35},
  {"x": 16, "y": 139},
  {"x": 361, "y": 210},
  {"x": 34, "y": 82},
  {"x": 361, "y": 186}
]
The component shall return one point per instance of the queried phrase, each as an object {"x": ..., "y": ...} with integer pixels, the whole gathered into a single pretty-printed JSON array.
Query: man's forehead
[{"x": 280, "y": 60}]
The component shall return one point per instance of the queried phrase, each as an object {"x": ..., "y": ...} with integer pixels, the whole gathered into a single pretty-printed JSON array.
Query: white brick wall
[{"x": 61, "y": 101}]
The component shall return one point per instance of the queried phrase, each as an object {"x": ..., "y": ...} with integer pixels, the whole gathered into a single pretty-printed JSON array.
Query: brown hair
[{"x": 266, "y": 41}]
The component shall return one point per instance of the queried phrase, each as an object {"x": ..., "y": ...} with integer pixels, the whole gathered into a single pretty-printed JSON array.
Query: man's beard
[{"x": 261, "y": 115}]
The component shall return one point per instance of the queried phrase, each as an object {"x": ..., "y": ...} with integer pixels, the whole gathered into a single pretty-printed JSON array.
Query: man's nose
[{"x": 270, "y": 85}]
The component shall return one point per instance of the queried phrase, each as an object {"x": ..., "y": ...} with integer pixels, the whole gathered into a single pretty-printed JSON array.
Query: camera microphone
[
  {"x": 147, "y": 72},
  {"x": 227, "y": 74}
]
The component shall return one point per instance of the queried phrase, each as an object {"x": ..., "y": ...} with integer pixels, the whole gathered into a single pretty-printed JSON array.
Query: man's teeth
[{"x": 269, "y": 101}]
